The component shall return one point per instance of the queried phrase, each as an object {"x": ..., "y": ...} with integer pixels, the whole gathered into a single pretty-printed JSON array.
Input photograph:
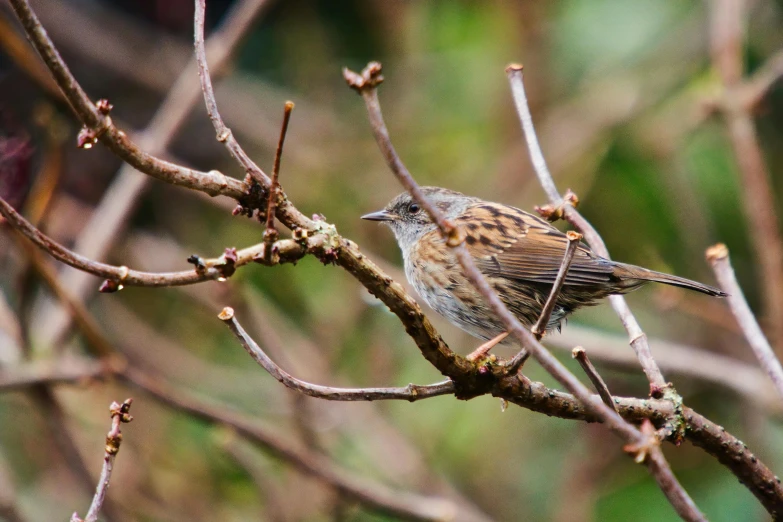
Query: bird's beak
[{"x": 381, "y": 215}]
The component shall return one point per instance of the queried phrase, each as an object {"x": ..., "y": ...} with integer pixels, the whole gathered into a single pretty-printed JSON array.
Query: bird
[{"x": 518, "y": 253}]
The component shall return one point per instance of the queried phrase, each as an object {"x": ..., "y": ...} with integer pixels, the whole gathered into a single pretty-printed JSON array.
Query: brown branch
[
  {"x": 289, "y": 215},
  {"x": 411, "y": 393},
  {"x": 727, "y": 27},
  {"x": 99, "y": 126},
  {"x": 119, "y": 414},
  {"x": 112, "y": 214},
  {"x": 270, "y": 233},
  {"x": 366, "y": 85},
  {"x": 220, "y": 268},
  {"x": 718, "y": 256},
  {"x": 540, "y": 327},
  {"x": 372, "y": 494},
  {"x": 224, "y": 134},
  {"x": 581, "y": 357},
  {"x": 637, "y": 337}
]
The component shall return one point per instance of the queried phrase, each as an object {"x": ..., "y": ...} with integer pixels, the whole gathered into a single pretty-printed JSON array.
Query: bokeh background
[{"x": 619, "y": 91}]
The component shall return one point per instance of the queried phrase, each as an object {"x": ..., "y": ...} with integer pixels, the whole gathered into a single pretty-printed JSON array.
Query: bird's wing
[{"x": 510, "y": 243}]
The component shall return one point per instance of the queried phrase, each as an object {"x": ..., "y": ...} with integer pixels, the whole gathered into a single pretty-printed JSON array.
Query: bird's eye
[{"x": 413, "y": 208}]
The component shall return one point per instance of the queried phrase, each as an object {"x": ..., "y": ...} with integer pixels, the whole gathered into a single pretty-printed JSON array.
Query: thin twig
[
  {"x": 224, "y": 134},
  {"x": 270, "y": 233},
  {"x": 119, "y": 414},
  {"x": 287, "y": 250},
  {"x": 637, "y": 337},
  {"x": 581, "y": 357},
  {"x": 366, "y": 84},
  {"x": 718, "y": 256},
  {"x": 540, "y": 327},
  {"x": 412, "y": 392},
  {"x": 99, "y": 126}
]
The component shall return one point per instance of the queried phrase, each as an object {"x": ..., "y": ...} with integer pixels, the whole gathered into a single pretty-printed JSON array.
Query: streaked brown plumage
[{"x": 519, "y": 254}]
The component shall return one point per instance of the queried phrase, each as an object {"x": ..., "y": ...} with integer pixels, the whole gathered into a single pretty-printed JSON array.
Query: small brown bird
[{"x": 519, "y": 254}]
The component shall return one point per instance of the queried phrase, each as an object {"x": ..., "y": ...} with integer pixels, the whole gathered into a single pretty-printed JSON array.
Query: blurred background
[{"x": 620, "y": 92}]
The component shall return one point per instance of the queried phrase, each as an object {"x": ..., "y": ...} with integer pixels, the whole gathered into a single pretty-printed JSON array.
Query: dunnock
[{"x": 519, "y": 254}]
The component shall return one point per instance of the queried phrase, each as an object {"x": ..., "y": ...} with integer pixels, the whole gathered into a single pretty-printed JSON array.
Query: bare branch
[
  {"x": 757, "y": 86},
  {"x": 224, "y": 134},
  {"x": 214, "y": 269},
  {"x": 581, "y": 357},
  {"x": 637, "y": 337},
  {"x": 718, "y": 256},
  {"x": 110, "y": 217},
  {"x": 119, "y": 415},
  {"x": 411, "y": 393},
  {"x": 540, "y": 327},
  {"x": 99, "y": 126},
  {"x": 270, "y": 233}
]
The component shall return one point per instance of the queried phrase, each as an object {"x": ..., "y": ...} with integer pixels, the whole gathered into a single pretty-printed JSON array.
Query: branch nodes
[
  {"x": 120, "y": 414},
  {"x": 369, "y": 78},
  {"x": 553, "y": 213}
]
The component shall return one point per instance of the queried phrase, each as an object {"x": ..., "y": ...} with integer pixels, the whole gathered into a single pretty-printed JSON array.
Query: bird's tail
[{"x": 629, "y": 273}]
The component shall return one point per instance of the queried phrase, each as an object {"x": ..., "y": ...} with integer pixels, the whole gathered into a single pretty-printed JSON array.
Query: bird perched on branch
[{"x": 520, "y": 255}]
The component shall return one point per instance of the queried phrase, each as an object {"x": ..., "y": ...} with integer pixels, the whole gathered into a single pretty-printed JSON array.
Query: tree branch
[
  {"x": 119, "y": 415},
  {"x": 581, "y": 357},
  {"x": 411, "y": 393},
  {"x": 718, "y": 256}
]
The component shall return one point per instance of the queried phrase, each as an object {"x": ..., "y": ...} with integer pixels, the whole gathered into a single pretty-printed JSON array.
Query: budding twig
[
  {"x": 119, "y": 415},
  {"x": 543, "y": 321}
]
